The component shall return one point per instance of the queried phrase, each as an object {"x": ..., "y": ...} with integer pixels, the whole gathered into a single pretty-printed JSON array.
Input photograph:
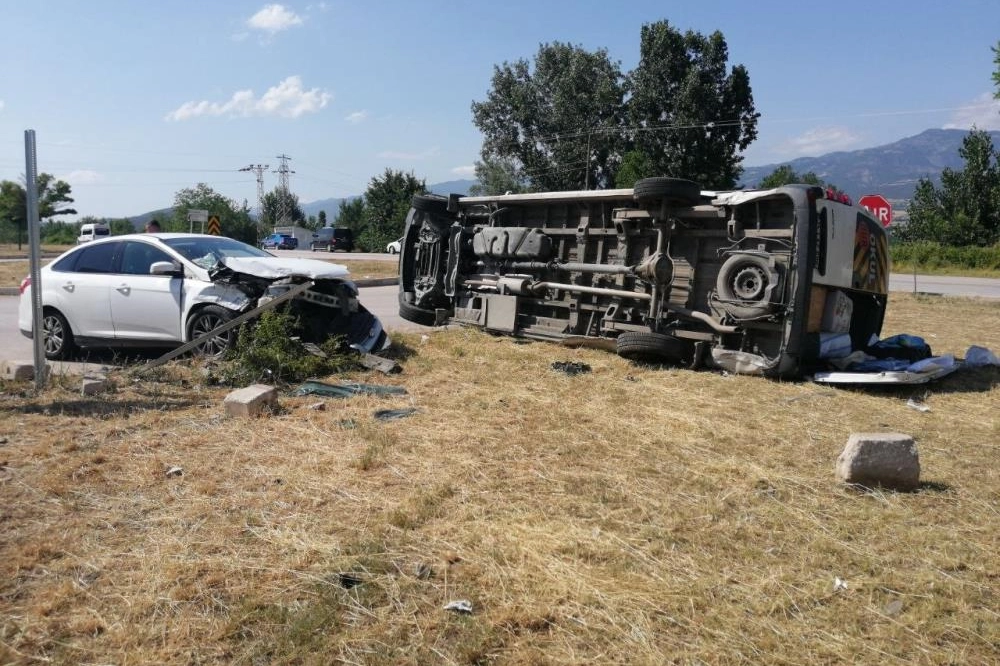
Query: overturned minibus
[{"x": 750, "y": 281}]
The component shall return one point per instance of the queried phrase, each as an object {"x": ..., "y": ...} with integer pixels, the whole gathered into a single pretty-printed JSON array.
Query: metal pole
[{"x": 34, "y": 242}]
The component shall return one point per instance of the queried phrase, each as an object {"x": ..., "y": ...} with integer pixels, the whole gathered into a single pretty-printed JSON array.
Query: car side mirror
[{"x": 171, "y": 268}]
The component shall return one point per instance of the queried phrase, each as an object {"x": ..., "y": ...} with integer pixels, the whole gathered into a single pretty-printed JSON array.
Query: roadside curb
[{"x": 370, "y": 282}]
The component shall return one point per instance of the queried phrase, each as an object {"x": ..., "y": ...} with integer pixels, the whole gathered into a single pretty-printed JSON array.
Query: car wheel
[
  {"x": 207, "y": 319},
  {"x": 745, "y": 286},
  {"x": 652, "y": 347},
  {"x": 430, "y": 203},
  {"x": 57, "y": 337},
  {"x": 676, "y": 191},
  {"x": 417, "y": 315}
]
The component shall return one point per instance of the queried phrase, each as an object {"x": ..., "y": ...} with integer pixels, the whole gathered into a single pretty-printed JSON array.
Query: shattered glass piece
[
  {"x": 393, "y": 414},
  {"x": 571, "y": 368},
  {"x": 346, "y": 390}
]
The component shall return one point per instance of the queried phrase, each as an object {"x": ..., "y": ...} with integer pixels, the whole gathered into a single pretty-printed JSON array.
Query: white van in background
[{"x": 89, "y": 232}]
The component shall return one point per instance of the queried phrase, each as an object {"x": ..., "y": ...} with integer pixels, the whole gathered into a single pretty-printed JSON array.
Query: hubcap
[
  {"x": 750, "y": 284},
  {"x": 215, "y": 345},
  {"x": 54, "y": 335}
]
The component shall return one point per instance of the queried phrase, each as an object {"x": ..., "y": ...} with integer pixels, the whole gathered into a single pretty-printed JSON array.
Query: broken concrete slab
[
  {"x": 886, "y": 459},
  {"x": 18, "y": 371},
  {"x": 94, "y": 384},
  {"x": 251, "y": 401}
]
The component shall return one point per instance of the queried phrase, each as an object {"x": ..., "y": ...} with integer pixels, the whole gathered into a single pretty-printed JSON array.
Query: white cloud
[
  {"x": 465, "y": 171},
  {"x": 288, "y": 99},
  {"x": 274, "y": 19},
  {"x": 357, "y": 117},
  {"x": 819, "y": 141},
  {"x": 83, "y": 177},
  {"x": 983, "y": 112},
  {"x": 1, "y": 105},
  {"x": 397, "y": 155}
]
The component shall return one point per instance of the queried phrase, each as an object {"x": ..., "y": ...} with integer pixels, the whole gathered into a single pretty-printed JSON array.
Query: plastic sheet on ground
[{"x": 346, "y": 390}]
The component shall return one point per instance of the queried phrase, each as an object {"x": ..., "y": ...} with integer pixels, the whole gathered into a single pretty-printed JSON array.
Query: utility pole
[
  {"x": 258, "y": 169},
  {"x": 283, "y": 172}
]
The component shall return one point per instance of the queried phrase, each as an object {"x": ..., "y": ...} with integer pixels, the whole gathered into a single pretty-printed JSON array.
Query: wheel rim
[
  {"x": 750, "y": 283},
  {"x": 215, "y": 345},
  {"x": 54, "y": 334}
]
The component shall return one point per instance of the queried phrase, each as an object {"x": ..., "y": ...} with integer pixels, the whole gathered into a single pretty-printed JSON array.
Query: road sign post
[{"x": 878, "y": 206}]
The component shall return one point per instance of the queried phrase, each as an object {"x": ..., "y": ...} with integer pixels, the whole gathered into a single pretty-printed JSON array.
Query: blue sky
[{"x": 132, "y": 101}]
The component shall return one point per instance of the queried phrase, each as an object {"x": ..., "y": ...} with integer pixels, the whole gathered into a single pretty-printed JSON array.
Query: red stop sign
[{"x": 878, "y": 206}]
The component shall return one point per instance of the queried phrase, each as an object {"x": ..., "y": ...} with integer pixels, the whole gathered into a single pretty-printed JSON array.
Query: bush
[
  {"x": 271, "y": 352},
  {"x": 928, "y": 254}
]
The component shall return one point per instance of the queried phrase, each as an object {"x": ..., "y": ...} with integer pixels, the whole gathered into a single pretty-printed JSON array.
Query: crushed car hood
[{"x": 273, "y": 268}]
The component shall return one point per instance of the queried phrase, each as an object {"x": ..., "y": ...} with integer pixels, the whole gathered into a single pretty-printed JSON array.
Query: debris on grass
[
  {"x": 571, "y": 368},
  {"x": 346, "y": 390},
  {"x": 913, "y": 403},
  {"x": 459, "y": 606},
  {"x": 174, "y": 471},
  {"x": 393, "y": 414}
]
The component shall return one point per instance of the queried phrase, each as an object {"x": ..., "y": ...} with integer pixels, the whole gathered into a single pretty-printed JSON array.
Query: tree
[
  {"x": 386, "y": 203},
  {"x": 966, "y": 209},
  {"x": 687, "y": 114},
  {"x": 996, "y": 72},
  {"x": 351, "y": 214},
  {"x": 557, "y": 124},
  {"x": 496, "y": 176},
  {"x": 52, "y": 195},
  {"x": 635, "y": 166},
  {"x": 321, "y": 219},
  {"x": 570, "y": 121},
  {"x": 281, "y": 207},
  {"x": 234, "y": 218},
  {"x": 785, "y": 175}
]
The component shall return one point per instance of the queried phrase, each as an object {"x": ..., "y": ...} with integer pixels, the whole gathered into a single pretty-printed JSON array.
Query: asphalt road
[{"x": 382, "y": 301}]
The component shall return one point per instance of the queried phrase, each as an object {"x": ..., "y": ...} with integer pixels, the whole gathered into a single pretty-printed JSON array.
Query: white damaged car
[{"x": 163, "y": 290}]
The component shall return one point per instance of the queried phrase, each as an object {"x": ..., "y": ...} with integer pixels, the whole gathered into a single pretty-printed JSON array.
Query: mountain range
[{"x": 891, "y": 170}]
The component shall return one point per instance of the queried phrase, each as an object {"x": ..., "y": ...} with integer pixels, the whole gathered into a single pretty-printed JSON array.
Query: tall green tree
[
  {"x": 688, "y": 113},
  {"x": 786, "y": 175},
  {"x": 387, "y": 201},
  {"x": 965, "y": 210},
  {"x": 321, "y": 219},
  {"x": 234, "y": 218},
  {"x": 557, "y": 122},
  {"x": 281, "y": 207},
  {"x": 53, "y": 197},
  {"x": 996, "y": 72},
  {"x": 351, "y": 214},
  {"x": 496, "y": 176}
]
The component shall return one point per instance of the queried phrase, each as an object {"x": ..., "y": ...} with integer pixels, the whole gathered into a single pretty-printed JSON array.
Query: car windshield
[{"x": 206, "y": 252}]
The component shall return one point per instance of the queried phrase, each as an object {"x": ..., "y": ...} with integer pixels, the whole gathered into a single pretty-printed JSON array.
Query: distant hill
[{"x": 891, "y": 170}]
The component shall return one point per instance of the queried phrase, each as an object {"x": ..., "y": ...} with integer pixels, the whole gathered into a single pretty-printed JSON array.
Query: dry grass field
[{"x": 629, "y": 515}]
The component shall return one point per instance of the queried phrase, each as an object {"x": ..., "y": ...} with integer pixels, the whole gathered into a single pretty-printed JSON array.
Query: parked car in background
[
  {"x": 89, "y": 232},
  {"x": 394, "y": 246},
  {"x": 163, "y": 290},
  {"x": 332, "y": 239},
  {"x": 279, "y": 242}
]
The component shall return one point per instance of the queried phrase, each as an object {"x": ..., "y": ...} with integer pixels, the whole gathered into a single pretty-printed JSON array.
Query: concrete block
[
  {"x": 18, "y": 371},
  {"x": 887, "y": 459},
  {"x": 92, "y": 385},
  {"x": 251, "y": 401}
]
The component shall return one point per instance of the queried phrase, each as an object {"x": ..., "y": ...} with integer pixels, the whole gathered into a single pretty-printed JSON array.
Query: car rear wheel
[
  {"x": 207, "y": 319},
  {"x": 57, "y": 337},
  {"x": 675, "y": 191},
  {"x": 652, "y": 347},
  {"x": 417, "y": 315}
]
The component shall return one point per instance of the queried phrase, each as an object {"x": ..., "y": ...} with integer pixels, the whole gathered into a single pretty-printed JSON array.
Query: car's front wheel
[
  {"x": 208, "y": 319},
  {"x": 57, "y": 337}
]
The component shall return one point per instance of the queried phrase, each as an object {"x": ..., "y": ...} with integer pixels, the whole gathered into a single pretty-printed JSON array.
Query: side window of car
[
  {"x": 138, "y": 257},
  {"x": 96, "y": 258}
]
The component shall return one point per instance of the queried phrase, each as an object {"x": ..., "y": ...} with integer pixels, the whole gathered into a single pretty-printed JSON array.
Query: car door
[
  {"x": 79, "y": 289},
  {"x": 145, "y": 307}
]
